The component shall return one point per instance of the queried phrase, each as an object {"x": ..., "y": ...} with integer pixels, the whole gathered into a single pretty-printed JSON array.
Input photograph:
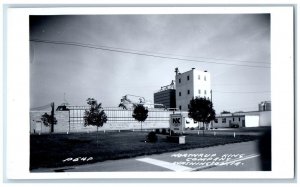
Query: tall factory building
[
  {"x": 166, "y": 96},
  {"x": 191, "y": 84}
]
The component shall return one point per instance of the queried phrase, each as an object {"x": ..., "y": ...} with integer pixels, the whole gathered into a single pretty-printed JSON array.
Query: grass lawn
[{"x": 50, "y": 150}]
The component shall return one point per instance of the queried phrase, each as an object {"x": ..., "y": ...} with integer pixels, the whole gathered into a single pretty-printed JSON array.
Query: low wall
[
  {"x": 37, "y": 126},
  {"x": 265, "y": 118},
  {"x": 117, "y": 120}
]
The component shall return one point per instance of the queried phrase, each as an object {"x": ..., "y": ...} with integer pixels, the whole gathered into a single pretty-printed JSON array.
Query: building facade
[
  {"x": 243, "y": 119},
  {"x": 191, "y": 84},
  {"x": 165, "y": 97}
]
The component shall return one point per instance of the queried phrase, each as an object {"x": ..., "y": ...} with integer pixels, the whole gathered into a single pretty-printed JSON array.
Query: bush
[
  {"x": 152, "y": 137},
  {"x": 164, "y": 131},
  {"x": 192, "y": 128},
  {"x": 157, "y": 131},
  {"x": 171, "y": 132}
]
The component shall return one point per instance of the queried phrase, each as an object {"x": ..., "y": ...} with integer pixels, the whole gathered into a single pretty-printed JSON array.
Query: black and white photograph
[
  {"x": 95, "y": 93},
  {"x": 187, "y": 92}
]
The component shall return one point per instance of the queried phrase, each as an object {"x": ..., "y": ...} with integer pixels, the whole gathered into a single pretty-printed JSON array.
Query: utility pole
[
  {"x": 211, "y": 100},
  {"x": 52, "y": 117}
]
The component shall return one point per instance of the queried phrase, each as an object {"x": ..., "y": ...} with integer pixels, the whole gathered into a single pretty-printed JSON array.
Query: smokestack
[{"x": 176, "y": 71}]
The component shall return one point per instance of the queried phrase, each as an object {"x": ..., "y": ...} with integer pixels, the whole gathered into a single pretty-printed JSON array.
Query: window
[
  {"x": 223, "y": 120},
  {"x": 232, "y": 119},
  {"x": 179, "y": 93},
  {"x": 199, "y": 91},
  {"x": 179, "y": 107},
  {"x": 204, "y": 92},
  {"x": 188, "y": 77},
  {"x": 204, "y": 78},
  {"x": 198, "y": 77},
  {"x": 188, "y": 92},
  {"x": 179, "y": 80},
  {"x": 239, "y": 119}
]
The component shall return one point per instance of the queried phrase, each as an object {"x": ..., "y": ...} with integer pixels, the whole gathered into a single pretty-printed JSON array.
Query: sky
[{"x": 108, "y": 56}]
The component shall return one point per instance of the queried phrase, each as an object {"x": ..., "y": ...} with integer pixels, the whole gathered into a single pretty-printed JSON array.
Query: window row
[
  {"x": 224, "y": 120},
  {"x": 188, "y": 78},
  {"x": 188, "y": 92}
]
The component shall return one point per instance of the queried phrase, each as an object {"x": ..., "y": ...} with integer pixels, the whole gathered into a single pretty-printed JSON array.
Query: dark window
[
  {"x": 223, "y": 120},
  {"x": 204, "y": 78},
  {"x": 204, "y": 92},
  {"x": 199, "y": 77},
  {"x": 239, "y": 119},
  {"x": 188, "y": 92},
  {"x": 199, "y": 91},
  {"x": 179, "y": 107},
  {"x": 216, "y": 120},
  {"x": 188, "y": 77},
  {"x": 232, "y": 119},
  {"x": 179, "y": 93},
  {"x": 179, "y": 80}
]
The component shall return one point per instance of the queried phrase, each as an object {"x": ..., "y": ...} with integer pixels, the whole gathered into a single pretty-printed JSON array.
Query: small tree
[
  {"x": 49, "y": 120},
  {"x": 201, "y": 110},
  {"x": 95, "y": 116},
  {"x": 140, "y": 113}
]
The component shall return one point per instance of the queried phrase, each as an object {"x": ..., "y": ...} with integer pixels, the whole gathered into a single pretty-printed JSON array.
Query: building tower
[
  {"x": 166, "y": 96},
  {"x": 191, "y": 84}
]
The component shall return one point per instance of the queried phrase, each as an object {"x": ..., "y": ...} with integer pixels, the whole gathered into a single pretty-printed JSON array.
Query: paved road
[{"x": 231, "y": 157}]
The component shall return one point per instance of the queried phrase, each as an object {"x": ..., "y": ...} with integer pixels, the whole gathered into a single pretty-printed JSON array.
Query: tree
[
  {"x": 95, "y": 116},
  {"x": 201, "y": 110},
  {"x": 140, "y": 113},
  {"x": 225, "y": 112},
  {"x": 49, "y": 120}
]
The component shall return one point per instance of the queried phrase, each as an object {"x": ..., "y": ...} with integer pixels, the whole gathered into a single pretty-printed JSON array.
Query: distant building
[
  {"x": 243, "y": 119},
  {"x": 166, "y": 96},
  {"x": 191, "y": 84},
  {"x": 237, "y": 120},
  {"x": 264, "y": 106}
]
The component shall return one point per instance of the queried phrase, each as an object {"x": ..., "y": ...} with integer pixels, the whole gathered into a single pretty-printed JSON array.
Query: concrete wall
[
  {"x": 265, "y": 118},
  {"x": 117, "y": 120},
  {"x": 135, "y": 125},
  {"x": 37, "y": 126}
]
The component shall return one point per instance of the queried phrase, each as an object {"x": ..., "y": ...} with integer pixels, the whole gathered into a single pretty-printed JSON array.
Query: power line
[
  {"x": 41, "y": 107},
  {"x": 242, "y": 92},
  {"x": 238, "y": 84},
  {"x": 138, "y": 53}
]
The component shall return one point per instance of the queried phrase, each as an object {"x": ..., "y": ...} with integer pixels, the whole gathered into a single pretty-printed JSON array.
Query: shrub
[
  {"x": 164, "y": 131},
  {"x": 151, "y": 137},
  {"x": 157, "y": 131},
  {"x": 171, "y": 132},
  {"x": 192, "y": 128}
]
